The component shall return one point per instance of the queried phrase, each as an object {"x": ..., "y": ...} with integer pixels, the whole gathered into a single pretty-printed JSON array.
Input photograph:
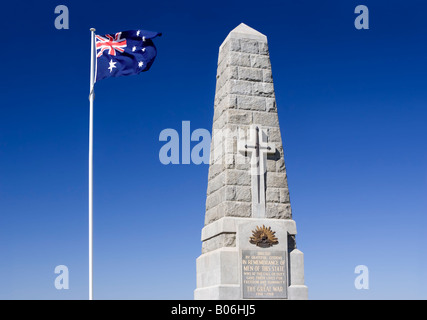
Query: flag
[{"x": 124, "y": 53}]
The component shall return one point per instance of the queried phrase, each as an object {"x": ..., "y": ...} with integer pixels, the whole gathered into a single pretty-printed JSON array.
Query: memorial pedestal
[{"x": 248, "y": 270}]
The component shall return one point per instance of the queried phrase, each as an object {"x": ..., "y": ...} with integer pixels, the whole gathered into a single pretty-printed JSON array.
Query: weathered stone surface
[
  {"x": 249, "y": 46},
  {"x": 263, "y": 48},
  {"x": 239, "y": 59},
  {"x": 220, "y": 241},
  {"x": 267, "y": 76},
  {"x": 215, "y": 198},
  {"x": 273, "y": 195},
  {"x": 270, "y": 104},
  {"x": 251, "y": 103},
  {"x": 263, "y": 89},
  {"x": 216, "y": 183},
  {"x": 249, "y": 74},
  {"x": 278, "y": 211},
  {"x": 240, "y": 87},
  {"x": 240, "y": 117},
  {"x": 238, "y": 177},
  {"x": 276, "y": 180},
  {"x": 257, "y": 61},
  {"x": 245, "y": 100},
  {"x": 266, "y": 119},
  {"x": 244, "y": 97},
  {"x": 243, "y": 193},
  {"x": 271, "y": 165},
  {"x": 284, "y": 195},
  {"x": 274, "y": 135}
]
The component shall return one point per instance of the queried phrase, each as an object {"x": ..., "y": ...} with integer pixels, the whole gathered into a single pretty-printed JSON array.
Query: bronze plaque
[
  {"x": 264, "y": 274},
  {"x": 263, "y": 237}
]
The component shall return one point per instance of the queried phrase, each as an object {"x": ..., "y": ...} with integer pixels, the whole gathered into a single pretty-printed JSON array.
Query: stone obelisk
[{"x": 248, "y": 241}]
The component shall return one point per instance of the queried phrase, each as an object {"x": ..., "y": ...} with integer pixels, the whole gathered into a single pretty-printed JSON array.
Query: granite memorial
[{"x": 248, "y": 241}]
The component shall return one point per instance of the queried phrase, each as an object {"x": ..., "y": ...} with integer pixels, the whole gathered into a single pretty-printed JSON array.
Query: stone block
[
  {"x": 298, "y": 293},
  {"x": 251, "y": 103},
  {"x": 239, "y": 59},
  {"x": 284, "y": 195},
  {"x": 267, "y": 76},
  {"x": 234, "y": 44},
  {"x": 270, "y": 104},
  {"x": 276, "y": 180},
  {"x": 236, "y": 209},
  {"x": 219, "y": 241},
  {"x": 278, "y": 211},
  {"x": 296, "y": 258},
  {"x": 212, "y": 215},
  {"x": 216, "y": 183},
  {"x": 215, "y": 198},
  {"x": 249, "y": 46},
  {"x": 240, "y": 87},
  {"x": 260, "y": 61},
  {"x": 271, "y": 165},
  {"x": 249, "y": 74},
  {"x": 217, "y": 267},
  {"x": 274, "y": 135},
  {"x": 266, "y": 119},
  {"x": 273, "y": 195},
  {"x": 263, "y": 89},
  {"x": 221, "y": 120},
  {"x": 239, "y": 117},
  {"x": 263, "y": 48},
  {"x": 280, "y": 164},
  {"x": 243, "y": 193},
  {"x": 238, "y": 177}
]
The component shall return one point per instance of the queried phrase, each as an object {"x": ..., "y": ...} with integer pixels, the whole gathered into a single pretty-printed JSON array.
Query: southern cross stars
[
  {"x": 134, "y": 49},
  {"x": 112, "y": 65}
]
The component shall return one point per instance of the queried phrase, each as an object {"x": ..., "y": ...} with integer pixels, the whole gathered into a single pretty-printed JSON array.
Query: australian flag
[{"x": 124, "y": 53}]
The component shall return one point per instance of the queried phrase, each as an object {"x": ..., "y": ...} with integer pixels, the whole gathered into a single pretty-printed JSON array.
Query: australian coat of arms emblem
[{"x": 263, "y": 237}]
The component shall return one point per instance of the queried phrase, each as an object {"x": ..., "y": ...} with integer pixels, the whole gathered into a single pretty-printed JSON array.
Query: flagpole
[{"x": 91, "y": 96}]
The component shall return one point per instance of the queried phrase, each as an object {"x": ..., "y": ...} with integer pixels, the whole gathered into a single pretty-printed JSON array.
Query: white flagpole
[{"x": 92, "y": 82}]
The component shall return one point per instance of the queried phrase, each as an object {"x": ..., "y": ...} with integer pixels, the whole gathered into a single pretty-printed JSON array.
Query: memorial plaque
[{"x": 264, "y": 274}]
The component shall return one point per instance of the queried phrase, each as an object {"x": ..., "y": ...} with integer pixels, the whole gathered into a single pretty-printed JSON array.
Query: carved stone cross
[{"x": 258, "y": 146}]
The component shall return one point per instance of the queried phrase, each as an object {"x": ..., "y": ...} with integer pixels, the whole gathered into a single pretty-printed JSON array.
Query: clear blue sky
[{"x": 352, "y": 109}]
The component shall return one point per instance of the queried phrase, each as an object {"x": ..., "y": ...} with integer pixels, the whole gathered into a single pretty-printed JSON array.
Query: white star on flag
[
  {"x": 112, "y": 65},
  {"x": 138, "y": 32},
  {"x": 133, "y": 48},
  {"x": 140, "y": 64}
]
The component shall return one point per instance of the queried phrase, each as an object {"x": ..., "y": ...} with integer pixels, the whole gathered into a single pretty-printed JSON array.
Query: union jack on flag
[
  {"x": 124, "y": 53},
  {"x": 110, "y": 43}
]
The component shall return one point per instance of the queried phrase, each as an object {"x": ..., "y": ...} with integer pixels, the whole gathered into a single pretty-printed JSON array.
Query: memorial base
[{"x": 258, "y": 265}]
